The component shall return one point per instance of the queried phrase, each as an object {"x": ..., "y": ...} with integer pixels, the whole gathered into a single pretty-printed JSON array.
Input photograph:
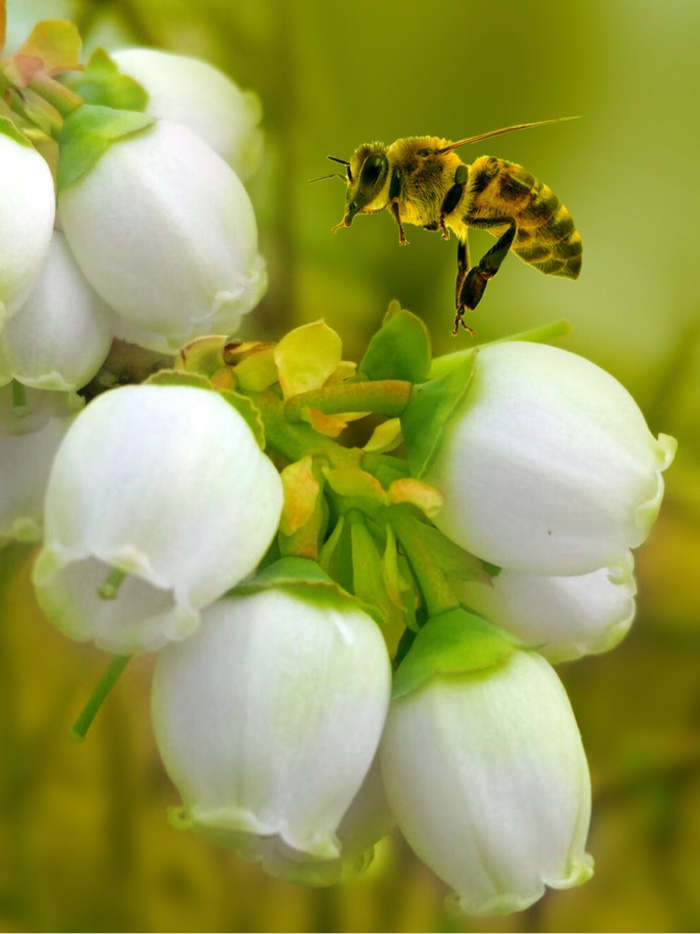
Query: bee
[{"x": 423, "y": 182}]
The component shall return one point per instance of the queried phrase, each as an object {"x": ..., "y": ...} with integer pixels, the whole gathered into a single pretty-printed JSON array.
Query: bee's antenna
[
  {"x": 336, "y": 159},
  {"x": 508, "y": 129},
  {"x": 332, "y": 175}
]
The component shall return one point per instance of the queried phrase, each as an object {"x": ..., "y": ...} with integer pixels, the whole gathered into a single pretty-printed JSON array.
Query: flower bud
[
  {"x": 165, "y": 233},
  {"x": 562, "y": 618},
  {"x": 194, "y": 93},
  {"x": 27, "y": 207},
  {"x": 62, "y": 334},
  {"x": 548, "y": 467},
  {"x": 163, "y": 484},
  {"x": 268, "y": 720},
  {"x": 489, "y": 783}
]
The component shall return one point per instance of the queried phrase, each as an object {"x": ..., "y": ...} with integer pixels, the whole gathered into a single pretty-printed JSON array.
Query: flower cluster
[
  {"x": 148, "y": 233},
  {"x": 349, "y": 635}
]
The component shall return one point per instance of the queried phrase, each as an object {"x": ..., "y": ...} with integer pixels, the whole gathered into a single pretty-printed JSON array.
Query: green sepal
[
  {"x": 87, "y": 134},
  {"x": 168, "y": 377},
  {"x": 456, "y": 642},
  {"x": 430, "y": 408},
  {"x": 306, "y": 580},
  {"x": 8, "y": 128},
  {"x": 56, "y": 42},
  {"x": 367, "y": 569},
  {"x": 247, "y": 408},
  {"x": 102, "y": 83},
  {"x": 453, "y": 561},
  {"x": 399, "y": 350}
]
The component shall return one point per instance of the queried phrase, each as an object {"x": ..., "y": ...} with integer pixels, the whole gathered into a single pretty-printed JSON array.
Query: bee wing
[{"x": 508, "y": 129}]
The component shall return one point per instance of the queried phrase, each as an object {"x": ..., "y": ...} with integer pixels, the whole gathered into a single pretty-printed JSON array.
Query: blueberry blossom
[
  {"x": 562, "y": 617},
  {"x": 27, "y": 208},
  {"x": 30, "y": 433},
  {"x": 62, "y": 334},
  {"x": 194, "y": 93},
  {"x": 161, "y": 489},
  {"x": 161, "y": 226},
  {"x": 487, "y": 777},
  {"x": 548, "y": 467},
  {"x": 268, "y": 720}
]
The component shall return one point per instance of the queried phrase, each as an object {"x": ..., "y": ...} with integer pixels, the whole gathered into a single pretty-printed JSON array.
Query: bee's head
[{"x": 367, "y": 180}]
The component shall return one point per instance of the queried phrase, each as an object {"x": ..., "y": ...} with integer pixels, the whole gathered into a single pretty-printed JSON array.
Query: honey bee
[{"x": 423, "y": 182}]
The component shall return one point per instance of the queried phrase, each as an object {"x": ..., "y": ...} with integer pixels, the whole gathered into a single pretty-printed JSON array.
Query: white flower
[
  {"x": 562, "y": 617},
  {"x": 165, "y": 233},
  {"x": 194, "y": 93},
  {"x": 27, "y": 208},
  {"x": 29, "y": 438},
  {"x": 489, "y": 783},
  {"x": 548, "y": 468},
  {"x": 62, "y": 334},
  {"x": 268, "y": 720},
  {"x": 165, "y": 484}
]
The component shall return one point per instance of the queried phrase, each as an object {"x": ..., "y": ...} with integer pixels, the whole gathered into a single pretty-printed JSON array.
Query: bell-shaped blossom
[
  {"x": 194, "y": 93},
  {"x": 29, "y": 437},
  {"x": 548, "y": 466},
  {"x": 488, "y": 780},
  {"x": 268, "y": 720},
  {"x": 562, "y": 617},
  {"x": 165, "y": 233},
  {"x": 167, "y": 486},
  {"x": 368, "y": 820},
  {"x": 27, "y": 208},
  {"x": 62, "y": 334}
]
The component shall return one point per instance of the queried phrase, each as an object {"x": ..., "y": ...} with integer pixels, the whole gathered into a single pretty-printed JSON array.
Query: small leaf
[
  {"x": 204, "y": 355},
  {"x": 423, "y": 495},
  {"x": 101, "y": 83},
  {"x": 307, "y": 357},
  {"x": 454, "y": 561},
  {"x": 87, "y": 134},
  {"x": 399, "y": 350},
  {"x": 8, "y": 128},
  {"x": 456, "y": 642},
  {"x": 56, "y": 43},
  {"x": 174, "y": 377},
  {"x": 385, "y": 437},
  {"x": 429, "y": 411},
  {"x": 247, "y": 408},
  {"x": 351, "y": 482}
]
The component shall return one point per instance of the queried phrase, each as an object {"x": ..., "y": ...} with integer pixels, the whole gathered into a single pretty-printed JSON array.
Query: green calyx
[
  {"x": 456, "y": 642},
  {"x": 102, "y": 83},
  {"x": 306, "y": 580},
  {"x": 87, "y": 135}
]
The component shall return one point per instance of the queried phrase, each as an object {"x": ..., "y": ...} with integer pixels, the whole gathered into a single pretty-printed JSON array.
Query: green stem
[
  {"x": 383, "y": 396},
  {"x": 294, "y": 441},
  {"x": 98, "y": 696},
  {"x": 436, "y": 590}
]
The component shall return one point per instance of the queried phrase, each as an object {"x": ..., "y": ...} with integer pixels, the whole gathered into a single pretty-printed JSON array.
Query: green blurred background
[{"x": 84, "y": 840}]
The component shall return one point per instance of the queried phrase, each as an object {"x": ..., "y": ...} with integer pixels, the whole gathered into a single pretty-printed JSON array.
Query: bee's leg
[
  {"x": 476, "y": 280},
  {"x": 395, "y": 186},
  {"x": 394, "y": 208},
  {"x": 452, "y": 198},
  {"x": 462, "y": 270}
]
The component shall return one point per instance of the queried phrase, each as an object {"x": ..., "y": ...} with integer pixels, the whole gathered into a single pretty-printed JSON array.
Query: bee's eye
[{"x": 374, "y": 167}]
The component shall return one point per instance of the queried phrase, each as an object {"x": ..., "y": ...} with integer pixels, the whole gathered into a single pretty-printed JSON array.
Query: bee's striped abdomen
[{"x": 546, "y": 237}]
